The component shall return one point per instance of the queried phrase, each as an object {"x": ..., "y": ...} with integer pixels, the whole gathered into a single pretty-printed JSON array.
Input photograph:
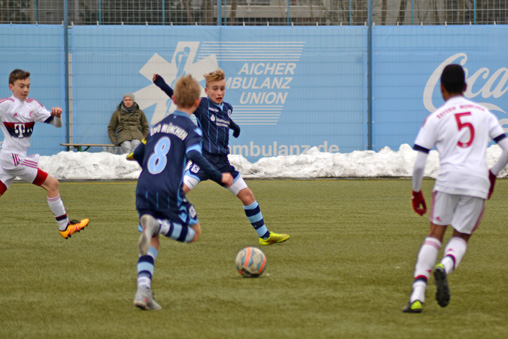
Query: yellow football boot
[
  {"x": 73, "y": 227},
  {"x": 413, "y": 307},
  {"x": 273, "y": 239}
]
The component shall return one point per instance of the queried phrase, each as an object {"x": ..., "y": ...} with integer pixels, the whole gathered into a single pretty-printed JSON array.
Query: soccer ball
[{"x": 250, "y": 262}]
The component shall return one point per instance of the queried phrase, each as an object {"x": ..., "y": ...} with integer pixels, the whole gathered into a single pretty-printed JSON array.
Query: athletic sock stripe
[
  {"x": 253, "y": 211},
  {"x": 421, "y": 278},
  {"x": 146, "y": 258},
  {"x": 152, "y": 251},
  {"x": 183, "y": 234},
  {"x": 258, "y": 224},
  {"x": 433, "y": 242},
  {"x": 62, "y": 217},
  {"x": 263, "y": 234},
  {"x": 451, "y": 256},
  {"x": 145, "y": 267},
  {"x": 145, "y": 273}
]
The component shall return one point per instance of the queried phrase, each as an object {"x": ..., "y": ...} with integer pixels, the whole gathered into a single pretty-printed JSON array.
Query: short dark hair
[
  {"x": 453, "y": 79},
  {"x": 18, "y": 74}
]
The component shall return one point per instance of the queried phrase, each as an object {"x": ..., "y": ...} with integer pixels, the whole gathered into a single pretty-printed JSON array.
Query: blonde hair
[
  {"x": 187, "y": 91},
  {"x": 214, "y": 76}
]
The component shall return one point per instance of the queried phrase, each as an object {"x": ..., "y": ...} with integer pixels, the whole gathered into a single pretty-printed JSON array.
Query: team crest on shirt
[
  {"x": 31, "y": 114},
  {"x": 212, "y": 117},
  {"x": 229, "y": 113}
]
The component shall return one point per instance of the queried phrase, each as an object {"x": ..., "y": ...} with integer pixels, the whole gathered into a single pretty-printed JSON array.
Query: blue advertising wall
[
  {"x": 292, "y": 88},
  {"x": 39, "y": 50},
  {"x": 408, "y": 62}
]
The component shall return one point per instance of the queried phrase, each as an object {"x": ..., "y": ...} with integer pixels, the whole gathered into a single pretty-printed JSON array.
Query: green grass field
[{"x": 346, "y": 272}]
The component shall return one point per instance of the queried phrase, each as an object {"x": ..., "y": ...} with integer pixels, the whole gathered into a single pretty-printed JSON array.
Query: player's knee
[
  {"x": 197, "y": 232},
  {"x": 246, "y": 196},
  {"x": 51, "y": 184}
]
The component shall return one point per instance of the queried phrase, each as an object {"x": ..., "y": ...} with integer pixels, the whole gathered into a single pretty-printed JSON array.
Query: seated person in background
[{"x": 128, "y": 125}]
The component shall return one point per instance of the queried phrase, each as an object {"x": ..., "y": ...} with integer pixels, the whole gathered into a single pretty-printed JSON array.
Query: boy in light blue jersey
[
  {"x": 160, "y": 200},
  {"x": 214, "y": 117}
]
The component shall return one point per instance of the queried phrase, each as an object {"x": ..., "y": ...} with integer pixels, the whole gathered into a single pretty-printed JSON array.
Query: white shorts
[
  {"x": 462, "y": 212},
  {"x": 238, "y": 184},
  {"x": 13, "y": 165}
]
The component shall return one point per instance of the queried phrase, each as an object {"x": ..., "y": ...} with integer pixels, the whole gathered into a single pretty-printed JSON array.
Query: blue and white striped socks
[{"x": 253, "y": 213}]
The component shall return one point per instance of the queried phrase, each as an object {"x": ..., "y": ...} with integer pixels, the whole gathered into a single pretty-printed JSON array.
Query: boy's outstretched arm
[
  {"x": 417, "y": 199},
  {"x": 56, "y": 117},
  {"x": 159, "y": 82},
  {"x": 235, "y": 128}
]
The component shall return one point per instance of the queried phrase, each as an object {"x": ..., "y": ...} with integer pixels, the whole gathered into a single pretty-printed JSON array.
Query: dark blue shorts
[
  {"x": 221, "y": 162},
  {"x": 185, "y": 215}
]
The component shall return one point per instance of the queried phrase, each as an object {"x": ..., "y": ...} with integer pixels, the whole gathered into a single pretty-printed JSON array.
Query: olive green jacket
[{"x": 125, "y": 126}]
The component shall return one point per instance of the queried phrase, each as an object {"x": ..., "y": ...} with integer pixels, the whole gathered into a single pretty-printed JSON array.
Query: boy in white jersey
[
  {"x": 18, "y": 115},
  {"x": 460, "y": 130}
]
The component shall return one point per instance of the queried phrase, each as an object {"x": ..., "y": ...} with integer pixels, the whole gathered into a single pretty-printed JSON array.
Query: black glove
[
  {"x": 236, "y": 132},
  {"x": 235, "y": 128},
  {"x": 159, "y": 82}
]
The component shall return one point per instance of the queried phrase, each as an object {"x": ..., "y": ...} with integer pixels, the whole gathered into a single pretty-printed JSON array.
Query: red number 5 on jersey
[{"x": 462, "y": 125}]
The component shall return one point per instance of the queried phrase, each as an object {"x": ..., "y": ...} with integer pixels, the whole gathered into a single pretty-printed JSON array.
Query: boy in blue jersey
[
  {"x": 214, "y": 118},
  {"x": 160, "y": 200}
]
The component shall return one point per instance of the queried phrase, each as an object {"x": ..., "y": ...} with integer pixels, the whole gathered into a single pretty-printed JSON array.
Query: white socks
[
  {"x": 424, "y": 263},
  {"x": 453, "y": 254},
  {"x": 57, "y": 207},
  {"x": 427, "y": 257}
]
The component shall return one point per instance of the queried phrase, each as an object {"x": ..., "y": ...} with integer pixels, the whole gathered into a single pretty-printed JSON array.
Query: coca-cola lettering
[{"x": 494, "y": 86}]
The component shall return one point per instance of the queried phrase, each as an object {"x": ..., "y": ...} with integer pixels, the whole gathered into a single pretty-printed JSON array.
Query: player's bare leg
[{"x": 67, "y": 228}]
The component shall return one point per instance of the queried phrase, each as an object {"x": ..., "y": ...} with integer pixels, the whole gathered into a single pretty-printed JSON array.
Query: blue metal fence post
[
  {"x": 350, "y": 14},
  {"x": 66, "y": 71},
  {"x": 225, "y": 12},
  {"x": 219, "y": 12},
  {"x": 474, "y": 14},
  {"x": 163, "y": 14},
  {"x": 412, "y": 11},
  {"x": 287, "y": 10},
  {"x": 369, "y": 78}
]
